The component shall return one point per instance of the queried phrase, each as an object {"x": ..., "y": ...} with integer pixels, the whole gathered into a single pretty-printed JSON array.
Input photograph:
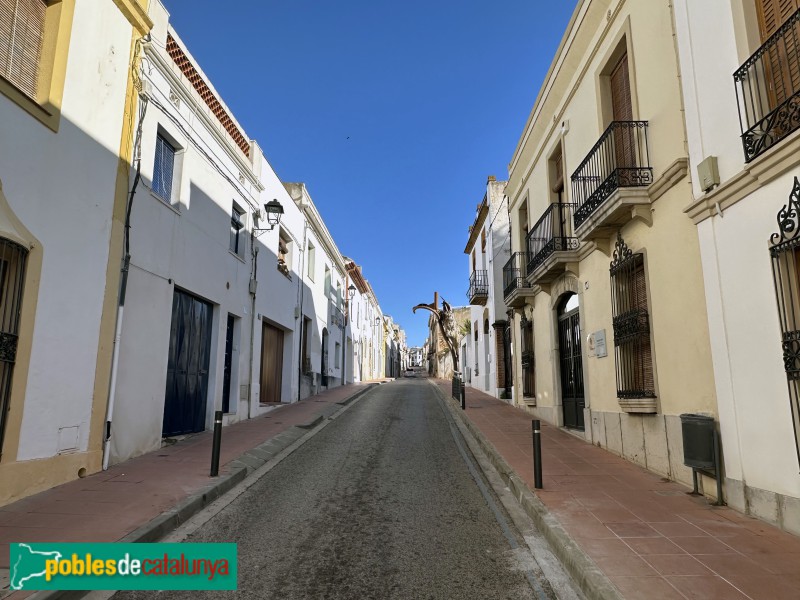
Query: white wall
[{"x": 61, "y": 186}]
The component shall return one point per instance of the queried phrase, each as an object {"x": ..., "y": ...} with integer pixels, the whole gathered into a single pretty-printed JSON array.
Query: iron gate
[{"x": 569, "y": 343}]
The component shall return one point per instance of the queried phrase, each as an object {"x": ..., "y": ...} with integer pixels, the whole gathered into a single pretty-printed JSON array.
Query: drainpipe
[
  {"x": 253, "y": 288},
  {"x": 123, "y": 287},
  {"x": 301, "y": 319}
]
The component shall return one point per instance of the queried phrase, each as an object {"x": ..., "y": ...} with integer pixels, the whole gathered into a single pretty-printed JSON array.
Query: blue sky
[{"x": 393, "y": 115}]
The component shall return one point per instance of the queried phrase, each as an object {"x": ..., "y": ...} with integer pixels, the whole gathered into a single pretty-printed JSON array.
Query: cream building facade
[
  {"x": 741, "y": 83},
  {"x": 609, "y": 315}
]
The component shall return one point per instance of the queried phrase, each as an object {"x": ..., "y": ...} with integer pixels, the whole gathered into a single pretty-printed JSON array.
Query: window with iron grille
[
  {"x": 237, "y": 238},
  {"x": 21, "y": 34},
  {"x": 631, "y": 324},
  {"x": 163, "y": 169},
  {"x": 785, "y": 254}
]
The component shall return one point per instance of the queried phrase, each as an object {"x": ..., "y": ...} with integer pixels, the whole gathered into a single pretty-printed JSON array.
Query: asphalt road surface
[{"x": 379, "y": 504}]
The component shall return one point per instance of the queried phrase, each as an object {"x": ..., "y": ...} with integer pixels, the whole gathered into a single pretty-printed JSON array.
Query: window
[
  {"x": 311, "y": 258},
  {"x": 631, "y": 324},
  {"x": 483, "y": 241},
  {"x": 336, "y": 355},
  {"x": 163, "y": 169},
  {"x": 339, "y": 294},
  {"x": 237, "y": 239},
  {"x": 785, "y": 254},
  {"x": 284, "y": 253},
  {"x": 21, "y": 33},
  {"x": 328, "y": 287}
]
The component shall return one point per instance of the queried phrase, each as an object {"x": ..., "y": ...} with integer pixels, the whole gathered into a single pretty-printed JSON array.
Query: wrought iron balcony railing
[
  {"x": 768, "y": 90},
  {"x": 478, "y": 291},
  {"x": 552, "y": 233},
  {"x": 619, "y": 159},
  {"x": 514, "y": 273}
]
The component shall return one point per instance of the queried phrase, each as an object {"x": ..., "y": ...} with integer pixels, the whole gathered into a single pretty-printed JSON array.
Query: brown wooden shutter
[
  {"x": 774, "y": 13},
  {"x": 621, "y": 91},
  {"x": 21, "y": 31},
  {"x": 783, "y": 57}
]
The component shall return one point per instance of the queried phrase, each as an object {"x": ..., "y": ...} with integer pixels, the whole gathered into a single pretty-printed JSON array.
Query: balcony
[
  {"x": 768, "y": 90},
  {"x": 478, "y": 292},
  {"x": 610, "y": 185},
  {"x": 515, "y": 283},
  {"x": 551, "y": 244}
]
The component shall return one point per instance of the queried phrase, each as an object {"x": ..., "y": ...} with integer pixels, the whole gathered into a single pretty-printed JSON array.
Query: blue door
[{"x": 187, "y": 365}]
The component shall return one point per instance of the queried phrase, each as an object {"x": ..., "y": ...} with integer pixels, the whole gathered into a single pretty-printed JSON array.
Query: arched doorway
[
  {"x": 324, "y": 366},
  {"x": 573, "y": 400}
]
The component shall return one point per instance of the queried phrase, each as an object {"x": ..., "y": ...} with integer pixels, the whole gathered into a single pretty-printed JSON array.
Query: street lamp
[
  {"x": 352, "y": 291},
  {"x": 377, "y": 321},
  {"x": 273, "y": 211}
]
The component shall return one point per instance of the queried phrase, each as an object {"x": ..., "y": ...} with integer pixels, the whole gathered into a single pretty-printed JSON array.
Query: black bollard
[
  {"x": 217, "y": 443},
  {"x": 536, "y": 426}
]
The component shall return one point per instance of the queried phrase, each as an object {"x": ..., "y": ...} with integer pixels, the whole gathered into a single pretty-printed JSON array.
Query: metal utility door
[
  {"x": 271, "y": 363},
  {"x": 569, "y": 348},
  {"x": 187, "y": 365},
  {"x": 226, "y": 375}
]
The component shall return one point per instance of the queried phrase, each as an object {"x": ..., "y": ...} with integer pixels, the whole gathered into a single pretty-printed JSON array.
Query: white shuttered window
[{"x": 21, "y": 32}]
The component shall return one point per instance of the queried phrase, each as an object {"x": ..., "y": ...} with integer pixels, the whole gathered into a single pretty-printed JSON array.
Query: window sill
[
  {"x": 173, "y": 207},
  {"x": 639, "y": 405},
  {"x": 49, "y": 118},
  {"x": 236, "y": 256}
]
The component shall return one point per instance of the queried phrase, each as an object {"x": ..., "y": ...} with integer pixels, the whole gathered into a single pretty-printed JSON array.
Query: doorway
[
  {"x": 573, "y": 400},
  {"x": 226, "y": 374},
  {"x": 271, "y": 379},
  {"x": 324, "y": 366},
  {"x": 187, "y": 365}
]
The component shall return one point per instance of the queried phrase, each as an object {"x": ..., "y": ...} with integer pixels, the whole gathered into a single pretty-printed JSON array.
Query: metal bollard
[
  {"x": 536, "y": 427},
  {"x": 217, "y": 443},
  {"x": 463, "y": 396}
]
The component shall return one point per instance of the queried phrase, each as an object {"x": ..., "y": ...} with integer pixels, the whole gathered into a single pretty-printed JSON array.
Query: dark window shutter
[
  {"x": 21, "y": 32},
  {"x": 621, "y": 91}
]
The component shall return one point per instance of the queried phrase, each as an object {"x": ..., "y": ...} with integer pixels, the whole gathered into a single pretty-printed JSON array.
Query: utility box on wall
[{"x": 708, "y": 173}]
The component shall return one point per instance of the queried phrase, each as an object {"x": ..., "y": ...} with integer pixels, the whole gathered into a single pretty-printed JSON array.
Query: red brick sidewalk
[
  {"x": 652, "y": 539},
  {"x": 106, "y": 506}
]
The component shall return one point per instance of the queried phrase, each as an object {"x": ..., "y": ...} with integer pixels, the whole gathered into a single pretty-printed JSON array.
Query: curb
[
  {"x": 239, "y": 468},
  {"x": 589, "y": 578}
]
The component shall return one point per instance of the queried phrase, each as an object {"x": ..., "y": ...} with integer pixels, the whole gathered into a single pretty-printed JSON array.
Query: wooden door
[
  {"x": 271, "y": 363},
  {"x": 782, "y": 58}
]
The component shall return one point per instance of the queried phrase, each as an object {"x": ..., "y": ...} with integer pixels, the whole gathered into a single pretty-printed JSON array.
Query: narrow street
[{"x": 379, "y": 504}]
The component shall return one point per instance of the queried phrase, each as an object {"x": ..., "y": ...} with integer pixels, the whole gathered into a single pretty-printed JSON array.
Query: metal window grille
[
  {"x": 237, "y": 243},
  {"x": 21, "y": 33},
  {"x": 785, "y": 254},
  {"x": 163, "y": 169},
  {"x": 631, "y": 324},
  {"x": 13, "y": 258}
]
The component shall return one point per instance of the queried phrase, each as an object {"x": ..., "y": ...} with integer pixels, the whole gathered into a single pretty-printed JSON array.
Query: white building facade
[
  {"x": 741, "y": 89},
  {"x": 485, "y": 365},
  {"x": 63, "y": 186}
]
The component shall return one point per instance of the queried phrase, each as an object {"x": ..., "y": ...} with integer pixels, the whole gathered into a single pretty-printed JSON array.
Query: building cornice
[{"x": 480, "y": 219}]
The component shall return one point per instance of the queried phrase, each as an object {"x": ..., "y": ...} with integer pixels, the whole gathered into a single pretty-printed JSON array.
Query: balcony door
[
  {"x": 783, "y": 58},
  {"x": 622, "y": 110}
]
